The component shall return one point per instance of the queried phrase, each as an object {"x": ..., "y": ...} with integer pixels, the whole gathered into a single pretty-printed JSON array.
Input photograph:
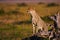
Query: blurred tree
[
  {"x": 21, "y": 4},
  {"x": 40, "y": 3},
  {"x": 52, "y": 4},
  {"x": 13, "y": 12},
  {"x": 1, "y": 11}
]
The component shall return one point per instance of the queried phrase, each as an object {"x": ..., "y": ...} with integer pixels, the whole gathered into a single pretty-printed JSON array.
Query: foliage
[
  {"x": 40, "y": 3},
  {"x": 1, "y": 11},
  {"x": 52, "y": 4},
  {"x": 13, "y": 12},
  {"x": 46, "y": 19},
  {"x": 21, "y": 4}
]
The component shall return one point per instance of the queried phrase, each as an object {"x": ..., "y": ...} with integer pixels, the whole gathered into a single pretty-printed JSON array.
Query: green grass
[{"x": 9, "y": 31}]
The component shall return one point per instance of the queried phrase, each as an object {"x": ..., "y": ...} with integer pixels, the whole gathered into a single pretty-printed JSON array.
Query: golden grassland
[{"x": 10, "y": 31}]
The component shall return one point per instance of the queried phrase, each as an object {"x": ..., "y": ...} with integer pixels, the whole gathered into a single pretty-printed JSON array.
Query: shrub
[
  {"x": 21, "y": 4},
  {"x": 46, "y": 19},
  {"x": 52, "y": 4},
  {"x": 23, "y": 22},
  {"x": 13, "y": 12},
  {"x": 1, "y": 11},
  {"x": 40, "y": 3}
]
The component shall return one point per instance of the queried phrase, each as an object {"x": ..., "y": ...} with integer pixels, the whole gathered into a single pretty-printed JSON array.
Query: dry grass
[{"x": 20, "y": 31}]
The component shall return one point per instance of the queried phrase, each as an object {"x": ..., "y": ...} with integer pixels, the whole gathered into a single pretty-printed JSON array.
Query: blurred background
[{"x": 15, "y": 22}]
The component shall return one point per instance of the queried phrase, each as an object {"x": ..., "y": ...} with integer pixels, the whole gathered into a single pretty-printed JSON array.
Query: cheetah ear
[{"x": 31, "y": 8}]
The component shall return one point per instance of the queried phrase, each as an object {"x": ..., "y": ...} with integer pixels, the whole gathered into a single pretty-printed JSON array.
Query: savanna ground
[{"x": 15, "y": 22}]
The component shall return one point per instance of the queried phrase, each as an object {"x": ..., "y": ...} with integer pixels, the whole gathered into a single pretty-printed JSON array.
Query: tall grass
[
  {"x": 14, "y": 32},
  {"x": 19, "y": 31}
]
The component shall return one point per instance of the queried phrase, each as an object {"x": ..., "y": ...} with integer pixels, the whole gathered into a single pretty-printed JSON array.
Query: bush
[
  {"x": 1, "y": 11},
  {"x": 13, "y": 12},
  {"x": 23, "y": 22},
  {"x": 22, "y": 4},
  {"x": 52, "y": 4},
  {"x": 40, "y": 3},
  {"x": 46, "y": 19}
]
